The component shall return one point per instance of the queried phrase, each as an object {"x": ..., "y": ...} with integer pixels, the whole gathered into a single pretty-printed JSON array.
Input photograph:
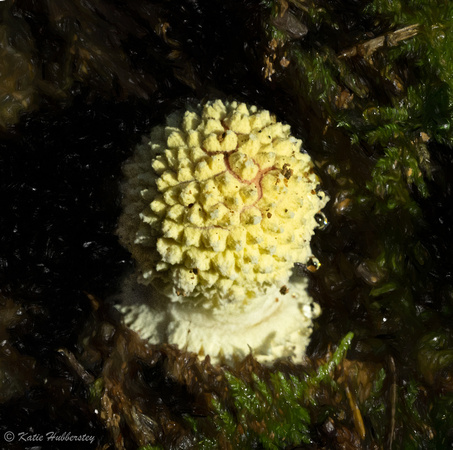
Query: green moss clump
[{"x": 271, "y": 411}]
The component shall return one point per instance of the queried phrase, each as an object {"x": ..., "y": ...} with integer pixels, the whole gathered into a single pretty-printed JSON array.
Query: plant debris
[{"x": 367, "y": 87}]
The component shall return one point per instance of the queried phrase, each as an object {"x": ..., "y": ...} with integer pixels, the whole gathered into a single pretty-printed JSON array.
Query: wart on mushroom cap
[{"x": 218, "y": 205}]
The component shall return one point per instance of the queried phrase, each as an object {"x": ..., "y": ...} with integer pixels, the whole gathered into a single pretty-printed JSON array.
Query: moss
[{"x": 272, "y": 411}]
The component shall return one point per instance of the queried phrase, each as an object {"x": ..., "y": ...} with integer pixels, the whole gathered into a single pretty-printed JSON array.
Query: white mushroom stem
[{"x": 277, "y": 324}]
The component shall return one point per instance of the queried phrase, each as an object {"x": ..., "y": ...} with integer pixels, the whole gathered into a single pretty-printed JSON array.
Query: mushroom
[{"x": 218, "y": 205}]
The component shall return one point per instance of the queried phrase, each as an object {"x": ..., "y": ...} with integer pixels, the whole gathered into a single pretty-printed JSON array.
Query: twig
[
  {"x": 357, "y": 415},
  {"x": 300, "y": 4},
  {"x": 393, "y": 398},
  {"x": 71, "y": 360},
  {"x": 366, "y": 49}
]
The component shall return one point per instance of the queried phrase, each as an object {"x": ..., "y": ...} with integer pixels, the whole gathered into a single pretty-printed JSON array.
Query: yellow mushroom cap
[{"x": 219, "y": 203}]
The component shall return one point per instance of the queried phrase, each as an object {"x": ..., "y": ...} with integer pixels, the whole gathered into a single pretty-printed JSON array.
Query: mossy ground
[{"x": 366, "y": 85}]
